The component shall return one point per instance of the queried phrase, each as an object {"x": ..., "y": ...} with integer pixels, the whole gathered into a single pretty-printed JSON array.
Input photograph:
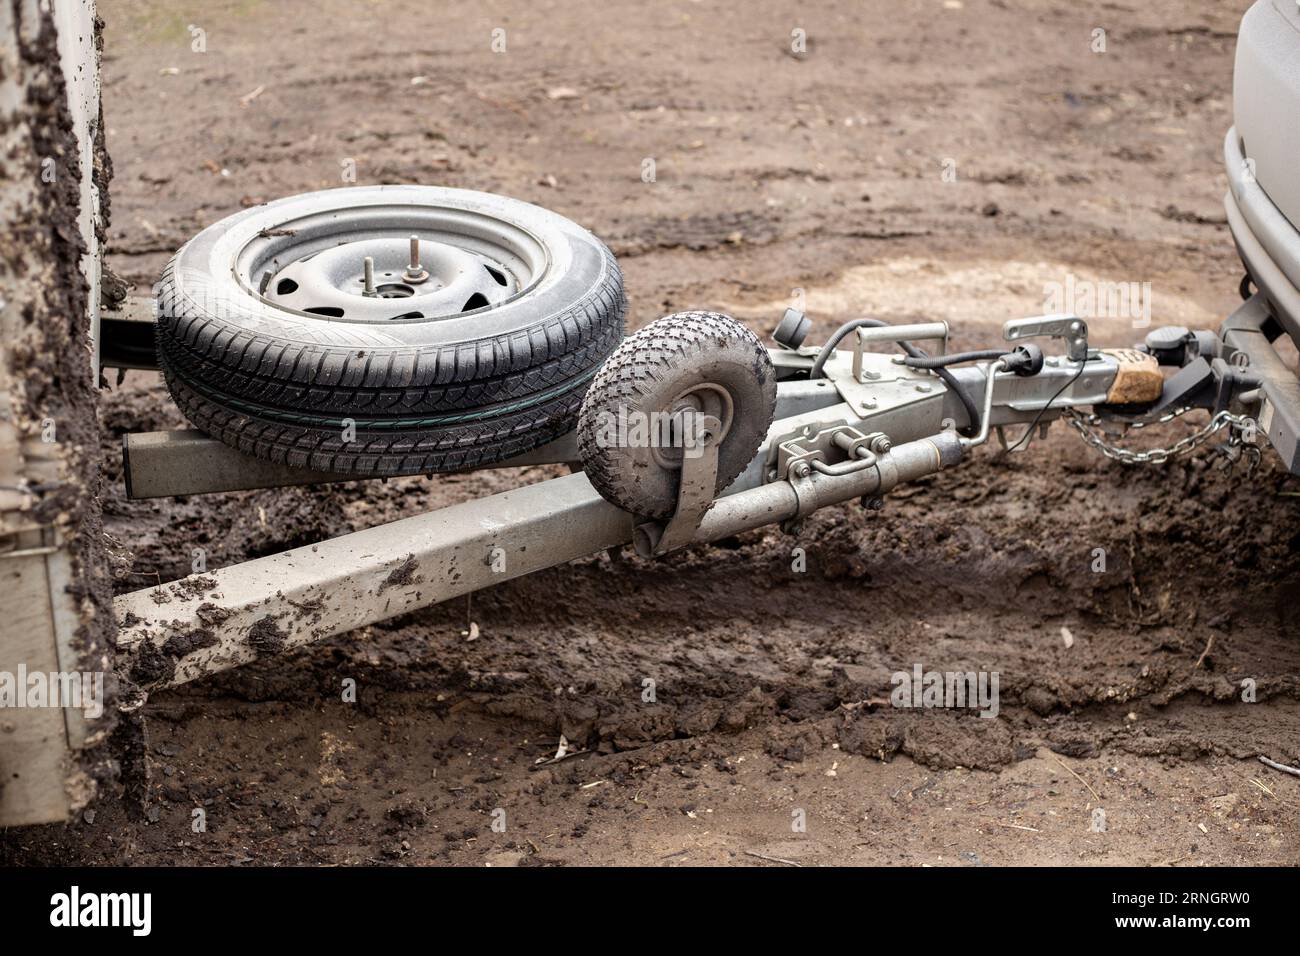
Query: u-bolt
[{"x": 864, "y": 459}]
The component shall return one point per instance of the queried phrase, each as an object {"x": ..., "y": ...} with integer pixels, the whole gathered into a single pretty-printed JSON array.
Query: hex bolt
[
  {"x": 802, "y": 469},
  {"x": 881, "y": 444},
  {"x": 872, "y": 503},
  {"x": 368, "y": 279},
  {"x": 415, "y": 272}
]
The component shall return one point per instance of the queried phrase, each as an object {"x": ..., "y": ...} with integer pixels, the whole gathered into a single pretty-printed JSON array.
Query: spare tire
[{"x": 273, "y": 339}]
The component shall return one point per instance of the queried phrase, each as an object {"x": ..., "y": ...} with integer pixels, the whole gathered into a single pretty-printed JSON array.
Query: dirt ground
[{"x": 777, "y": 175}]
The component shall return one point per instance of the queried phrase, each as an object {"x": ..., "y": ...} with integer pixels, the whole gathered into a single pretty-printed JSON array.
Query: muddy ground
[{"x": 777, "y": 174}]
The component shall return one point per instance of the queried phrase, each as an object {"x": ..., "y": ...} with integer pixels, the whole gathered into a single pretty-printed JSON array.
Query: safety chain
[
  {"x": 1168, "y": 417},
  {"x": 1154, "y": 456}
]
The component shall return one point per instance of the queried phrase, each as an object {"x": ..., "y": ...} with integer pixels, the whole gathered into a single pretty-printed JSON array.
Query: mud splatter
[
  {"x": 401, "y": 575},
  {"x": 178, "y": 645},
  {"x": 266, "y": 638}
]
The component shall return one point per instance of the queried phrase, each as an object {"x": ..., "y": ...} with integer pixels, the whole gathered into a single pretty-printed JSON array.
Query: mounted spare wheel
[{"x": 386, "y": 330}]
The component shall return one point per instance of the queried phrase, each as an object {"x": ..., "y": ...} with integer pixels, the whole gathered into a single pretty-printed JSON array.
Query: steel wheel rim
[{"x": 313, "y": 265}]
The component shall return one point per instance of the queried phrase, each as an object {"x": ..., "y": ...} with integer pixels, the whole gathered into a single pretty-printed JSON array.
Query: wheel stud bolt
[
  {"x": 415, "y": 272},
  {"x": 368, "y": 282}
]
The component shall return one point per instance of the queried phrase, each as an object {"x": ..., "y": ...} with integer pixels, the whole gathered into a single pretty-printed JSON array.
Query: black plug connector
[{"x": 1024, "y": 360}]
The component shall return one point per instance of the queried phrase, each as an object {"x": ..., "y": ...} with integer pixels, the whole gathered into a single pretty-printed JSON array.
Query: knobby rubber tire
[{"x": 645, "y": 374}]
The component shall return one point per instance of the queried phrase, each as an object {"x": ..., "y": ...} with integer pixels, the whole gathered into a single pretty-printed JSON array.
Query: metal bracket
[
  {"x": 695, "y": 490},
  {"x": 799, "y": 457},
  {"x": 1021, "y": 444},
  {"x": 802, "y": 462},
  {"x": 883, "y": 384},
  {"x": 809, "y": 448},
  {"x": 807, "y": 452},
  {"x": 797, "y": 454},
  {"x": 876, "y": 335}
]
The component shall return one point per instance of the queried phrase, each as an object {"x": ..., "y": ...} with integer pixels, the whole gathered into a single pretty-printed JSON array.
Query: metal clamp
[
  {"x": 805, "y": 496},
  {"x": 800, "y": 456}
]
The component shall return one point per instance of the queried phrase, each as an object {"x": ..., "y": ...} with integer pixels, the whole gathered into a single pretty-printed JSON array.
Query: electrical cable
[
  {"x": 829, "y": 348},
  {"x": 968, "y": 403},
  {"x": 953, "y": 358}
]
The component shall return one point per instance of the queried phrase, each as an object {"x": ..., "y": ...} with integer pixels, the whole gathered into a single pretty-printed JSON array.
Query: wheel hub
[
  {"x": 708, "y": 399},
  {"x": 390, "y": 278}
]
